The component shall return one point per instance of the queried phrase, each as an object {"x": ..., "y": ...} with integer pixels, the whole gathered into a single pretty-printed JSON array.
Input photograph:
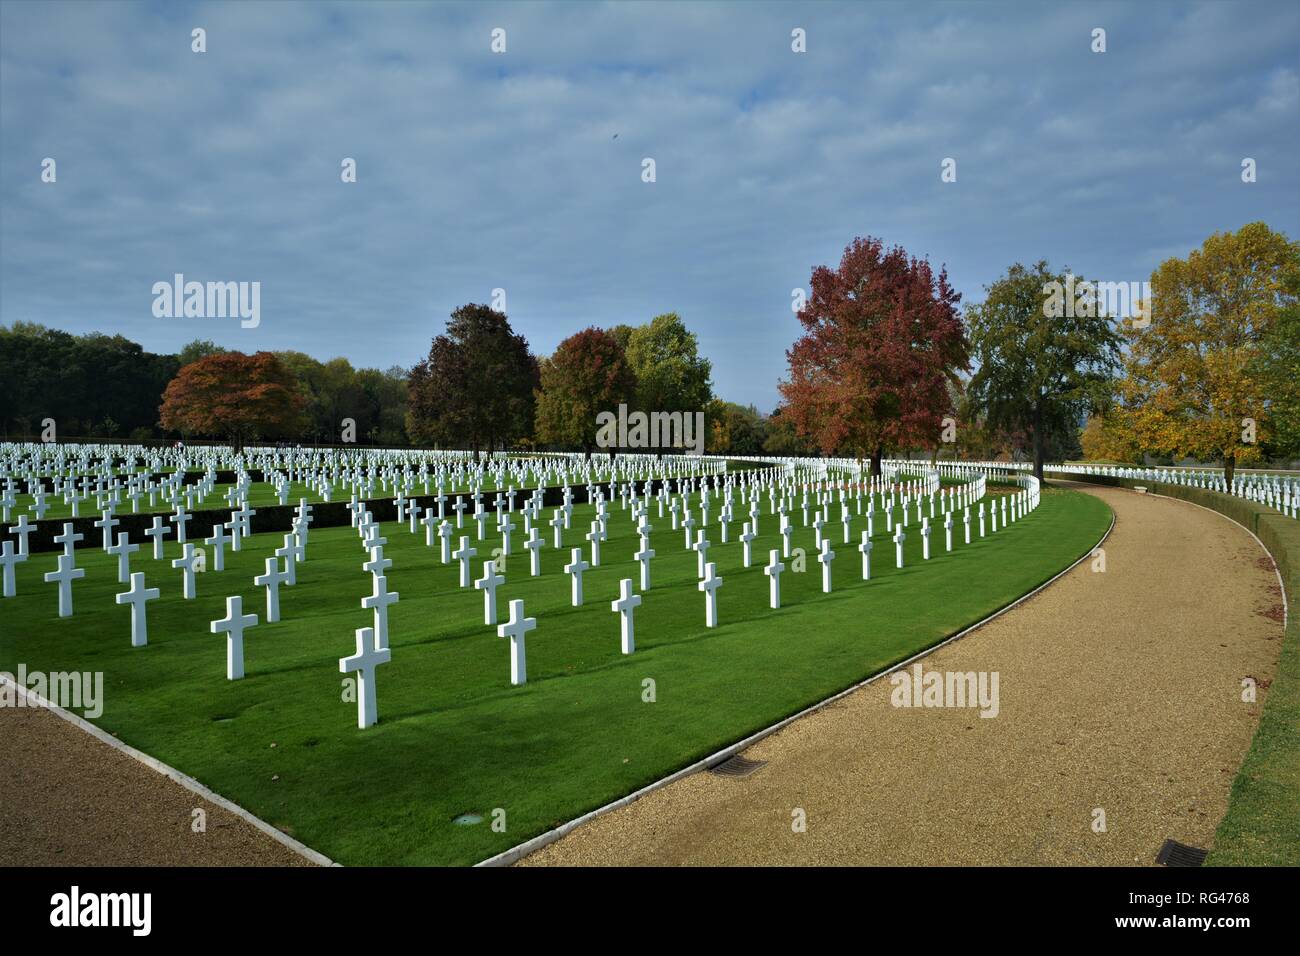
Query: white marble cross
[
  {"x": 626, "y": 603},
  {"x": 378, "y": 565},
  {"x": 123, "y": 551},
  {"x": 574, "y": 569},
  {"x": 136, "y": 597},
  {"x": 106, "y": 524},
  {"x": 180, "y": 519},
  {"x": 379, "y": 602},
  {"x": 702, "y": 545},
  {"x": 824, "y": 559},
  {"x": 643, "y": 556},
  {"x": 488, "y": 584},
  {"x": 271, "y": 579},
  {"x": 515, "y": 629},
  {"x": 157, "y": 531},
  {"x": 68, "y": 538},
  {"x": 64, "y": 577},
  {"x": 186, "y": 563},
  {"x": 23, "y": 529},
  {"x": 505, "y": 526},
  {"x": 534, "y": 546},
  {"x": 218, "y": 541},
  {"x": 363, "y": 664},
  {"x": 746, "y": 541},
  {"x": 463, "y": 554},
  {"x": 710, "y": 586},
  {"x": 947, "y": 531},
  {"x": 444, "y": 541},
  {"x": 233, "y": 625},
  {"x": 773, "y": 572},
  {"x": 293, "y": 548},
  {"x": 899, "y": 538},
  {"x": 925, "y": 539},
  {"x": 557, "y": 524},
  {"x": 865, "y": 548},
  {"x": 596, "y": 535},
  {"x": 9, "y": 558}
]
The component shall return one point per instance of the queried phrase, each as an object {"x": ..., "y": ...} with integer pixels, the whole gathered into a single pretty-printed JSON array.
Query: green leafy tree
[
  {"x": 476, "y": 387},
  {"x": 783, "y": 437},
  {"x": 1045, "y": 360},
  {"x": 199, "y": 348},
  {"x": 734, "y": 429},
  {"x": 1197, "y": 383},
  {"x": 80, "y": 381},
  {"x": 588, "y": 374},
  {"x": 1279, "y": 369},
  {"x": 671, "y": 376}
]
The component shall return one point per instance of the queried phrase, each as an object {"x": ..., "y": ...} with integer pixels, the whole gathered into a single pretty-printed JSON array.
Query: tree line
[
  {"x": 887, "y": 363},
  {"x": 109, "y": 388}
]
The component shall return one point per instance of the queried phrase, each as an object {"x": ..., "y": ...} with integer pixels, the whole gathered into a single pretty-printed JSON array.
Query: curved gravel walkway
[{"x": 1120, "y": 692}]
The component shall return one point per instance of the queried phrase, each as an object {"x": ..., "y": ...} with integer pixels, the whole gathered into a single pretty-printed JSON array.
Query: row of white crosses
[
  {"x": 320, "y": 471},
  {"x": 372, "y": 642},
  {"x": 138, "y": 594},
  {"x": 1278, "y": 491},
  {"x": 236, "y": 621}
]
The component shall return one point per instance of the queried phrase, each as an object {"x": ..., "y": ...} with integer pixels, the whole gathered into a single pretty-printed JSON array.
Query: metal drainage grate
[
  {"x": 736, "y": 766},
  {"x": 1174, "y": 853}
]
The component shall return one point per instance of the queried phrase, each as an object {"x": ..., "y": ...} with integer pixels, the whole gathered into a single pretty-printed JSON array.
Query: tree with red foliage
[
  {"x": 587, "y": 375},
  {"x": 235, "y": 396},
  {"x": 882, "y": 340}
]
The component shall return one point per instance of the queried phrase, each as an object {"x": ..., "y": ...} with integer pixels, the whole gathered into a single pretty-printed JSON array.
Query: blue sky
[{"x": 479, "y": 170}]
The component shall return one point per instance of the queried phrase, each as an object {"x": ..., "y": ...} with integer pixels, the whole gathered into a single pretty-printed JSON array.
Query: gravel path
[
  {"x": 68, "y": 799},
  {"x": 1119, "y": 692}
]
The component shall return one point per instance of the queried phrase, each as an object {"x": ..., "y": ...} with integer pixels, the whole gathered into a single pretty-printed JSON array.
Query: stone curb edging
[
  {"x": 186, "y": 781},
  {"x": 516, "y": 853}
]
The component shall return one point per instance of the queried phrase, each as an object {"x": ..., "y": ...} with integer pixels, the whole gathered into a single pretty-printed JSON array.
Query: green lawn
[{"x": 454, "y": 736}]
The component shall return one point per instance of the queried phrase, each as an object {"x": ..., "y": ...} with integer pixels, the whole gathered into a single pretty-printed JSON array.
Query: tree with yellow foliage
[
  {"x": 1192, "y": 386},
  {"x": 1107, "y": 438}
]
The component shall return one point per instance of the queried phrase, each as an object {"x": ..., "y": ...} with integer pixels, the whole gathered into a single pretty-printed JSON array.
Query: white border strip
[
  {"x": 188, "y": 782},
  {"x": 514, "y": 854}
]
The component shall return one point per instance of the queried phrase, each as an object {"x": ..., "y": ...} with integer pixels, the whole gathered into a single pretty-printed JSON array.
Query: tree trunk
[
  {"x": 876, "y": 455},
  {"x": 1229, "y": 469},
  {"x": 1038, "y": 442}
]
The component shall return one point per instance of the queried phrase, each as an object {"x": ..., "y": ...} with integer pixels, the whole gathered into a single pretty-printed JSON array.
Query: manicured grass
[{"x": 454, "y": 736}]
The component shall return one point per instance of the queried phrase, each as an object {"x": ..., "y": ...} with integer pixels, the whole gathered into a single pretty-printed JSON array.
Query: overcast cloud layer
[{"x": 523, "y": 170}]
